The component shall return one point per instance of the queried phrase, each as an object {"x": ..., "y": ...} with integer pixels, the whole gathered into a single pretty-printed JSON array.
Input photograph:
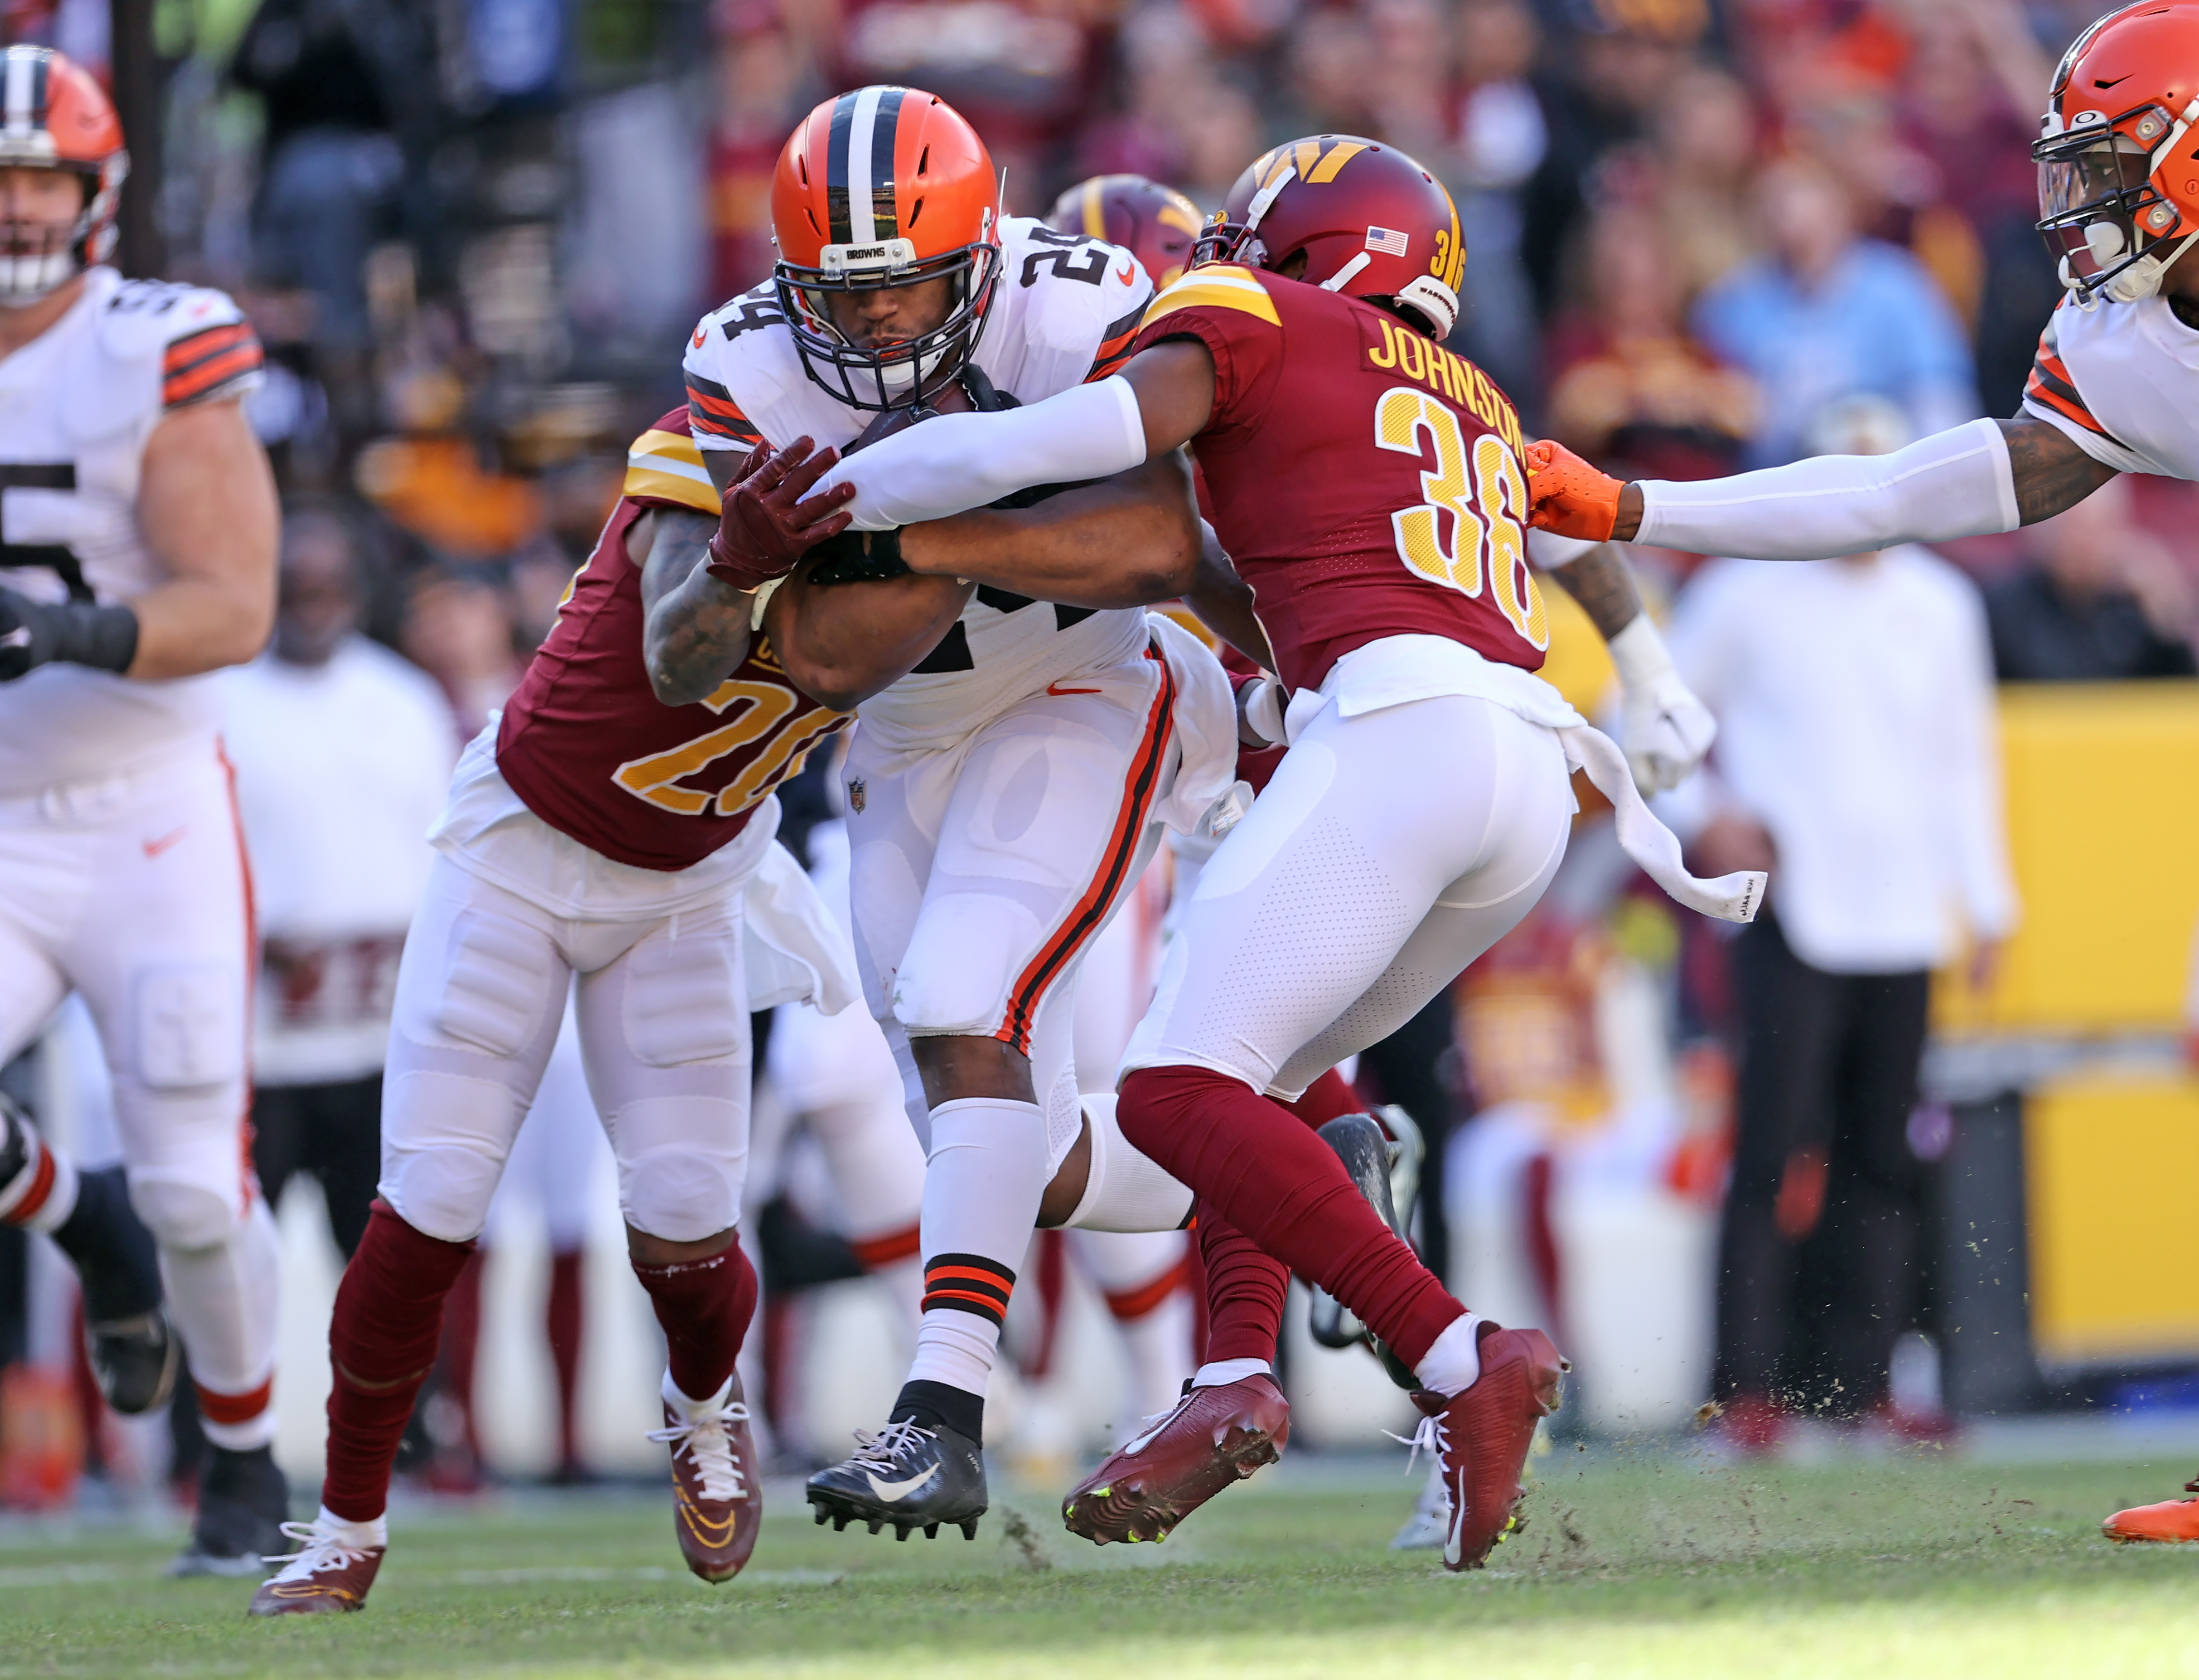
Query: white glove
[
  {"x": 1260, "y": 708},
  {"x": 1665, "y": 730}
]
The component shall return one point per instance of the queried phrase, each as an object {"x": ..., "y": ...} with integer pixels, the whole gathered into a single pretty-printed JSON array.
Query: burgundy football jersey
[
  {"x": 1367, "y": 482},
  {"x": 592, "y": 751}
]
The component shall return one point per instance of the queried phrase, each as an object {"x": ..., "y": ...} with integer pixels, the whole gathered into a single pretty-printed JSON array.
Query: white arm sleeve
[
  {"x": 961, "y": 461},
  {"x": 1952, "y": 484}
]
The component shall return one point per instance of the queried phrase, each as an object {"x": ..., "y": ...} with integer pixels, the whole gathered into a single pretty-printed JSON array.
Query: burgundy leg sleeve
[
  {"x": 1327, "y": 1098},
  {"x": 1244, "y": 1292},
  {"x": 704, "y": 1306},
  {"x": 1283, "y": 1187},
  {"x": 561, "y": 1323},
  {"x": 382, "y": 1343}
]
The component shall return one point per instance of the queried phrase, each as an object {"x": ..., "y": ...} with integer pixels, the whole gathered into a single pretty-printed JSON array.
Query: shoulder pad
[{"x": 144, "y": 318}]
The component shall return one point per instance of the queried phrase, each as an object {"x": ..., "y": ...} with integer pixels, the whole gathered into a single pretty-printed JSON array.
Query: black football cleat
[
  {"x": 136, "y": 1361},
  {"x": 907, "y": 1475},
  {"x": 243, "y": 1501},
  {"x": 1372, "y": 1160}
]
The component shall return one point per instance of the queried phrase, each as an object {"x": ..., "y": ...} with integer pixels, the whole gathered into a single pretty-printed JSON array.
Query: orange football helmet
[
  {"x": 57, "y": 117},
  {"x": 1156, "y": 225},
  {"x": 885, "y": 186},
  {"x": 2117, "y": 175},
  {"x": 1369, "y": 221}
]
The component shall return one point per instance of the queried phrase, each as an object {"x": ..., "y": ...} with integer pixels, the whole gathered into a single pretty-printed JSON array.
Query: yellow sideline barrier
[
  {"x": 2102, "y": 787},
  {"x": 2109, "y": 1166}
]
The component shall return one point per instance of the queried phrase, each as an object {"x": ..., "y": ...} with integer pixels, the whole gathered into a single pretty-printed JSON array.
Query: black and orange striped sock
[{"x": 968, "y": 1283}]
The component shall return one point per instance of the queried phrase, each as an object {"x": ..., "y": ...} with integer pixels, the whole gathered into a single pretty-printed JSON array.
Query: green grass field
[{"x": 1652, "y": 1564}]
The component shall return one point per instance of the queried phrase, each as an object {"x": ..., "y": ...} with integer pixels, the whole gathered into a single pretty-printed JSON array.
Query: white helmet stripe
[
  {"x": 862, "y": 207},
  {"x": 23, "y": 65}
]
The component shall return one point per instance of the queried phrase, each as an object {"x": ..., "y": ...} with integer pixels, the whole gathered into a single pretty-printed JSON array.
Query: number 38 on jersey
[{"x": 1469, "y": 532}]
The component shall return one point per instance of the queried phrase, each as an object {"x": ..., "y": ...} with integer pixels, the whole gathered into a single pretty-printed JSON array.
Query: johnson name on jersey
[
  {"x": 588, "y": 745},
  {"x": 1065, "y": 311},
  {"x": 2122, "y": 381},
  {"x": 77, "y": 406},
  {"x": 1366, "y": 481}
]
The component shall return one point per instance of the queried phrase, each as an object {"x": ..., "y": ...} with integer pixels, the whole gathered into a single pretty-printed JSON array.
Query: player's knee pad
[
  {"x": 443, "y": 1191},
  {"x": 952, "y": 979},
  {"x": 498, "y": 978},
  {"x": 188, "y": 1024},
  {"x": 682, "y": 1163},
  {"x": 185, "y": 1213},
  {"x": 686, "y": 999}
]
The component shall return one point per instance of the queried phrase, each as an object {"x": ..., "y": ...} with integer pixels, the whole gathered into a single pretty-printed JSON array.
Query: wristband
[
  {"x": 760, "y": 600},
  {"x": 1639, "y": 653}
]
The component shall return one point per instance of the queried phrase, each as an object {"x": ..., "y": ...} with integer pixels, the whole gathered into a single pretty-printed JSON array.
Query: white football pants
[
  {"x": 134, "y": 891},
  {"x": 662, "y": 1009},
  {"x": 1390, "y": 851}
]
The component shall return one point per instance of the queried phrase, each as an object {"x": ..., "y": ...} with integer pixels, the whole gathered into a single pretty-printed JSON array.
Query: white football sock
[
  {"x": 1223, "y": 1372},
  {"x": 981, "y": 1188},
  {"x": 1453, "y": 1364}
]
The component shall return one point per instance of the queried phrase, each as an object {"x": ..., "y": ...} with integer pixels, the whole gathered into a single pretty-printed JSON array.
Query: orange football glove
[{"x": 1566, "y": 495}]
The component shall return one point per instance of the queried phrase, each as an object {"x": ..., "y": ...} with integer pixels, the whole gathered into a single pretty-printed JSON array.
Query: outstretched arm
[
  {"x": 1159, "y": 402},
  {"x": 1986, "y": 476},
  {"x": 1223, "y": 601}
]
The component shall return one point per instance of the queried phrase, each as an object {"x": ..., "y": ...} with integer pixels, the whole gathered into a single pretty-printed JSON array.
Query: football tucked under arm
[{"x": 963, "y": 461}]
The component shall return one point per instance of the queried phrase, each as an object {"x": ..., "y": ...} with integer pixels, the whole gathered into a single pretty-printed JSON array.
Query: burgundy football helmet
[
  {"x": 1369, "y": 222},
  {"x": 1154, "y": 224}
]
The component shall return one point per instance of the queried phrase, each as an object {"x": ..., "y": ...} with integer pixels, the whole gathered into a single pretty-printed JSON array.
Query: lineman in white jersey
[
  {"x": 2114, "y": 388},
  {"x": 137, "y": 525},
  {"x": 1004, "y": 795}
]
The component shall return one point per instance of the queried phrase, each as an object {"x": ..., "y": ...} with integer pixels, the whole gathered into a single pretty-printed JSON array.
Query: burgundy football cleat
[
  {"x": 717, "y": 1497},
  {"x": 1481, "y": 1437},
  {"x": 326, "y": 1574},
  {"x": 1212, "y": 1437}
]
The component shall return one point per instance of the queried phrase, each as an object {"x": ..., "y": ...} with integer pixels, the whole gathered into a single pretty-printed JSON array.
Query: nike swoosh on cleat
[
  {"x": 1146, "y": 1440},
  {"x": 892, "y": 1491},
  {"x": 1452, "y": 1550}
]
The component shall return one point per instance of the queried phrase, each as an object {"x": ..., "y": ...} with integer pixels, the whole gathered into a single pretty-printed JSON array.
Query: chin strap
[{"x": 2143, "y": 278}]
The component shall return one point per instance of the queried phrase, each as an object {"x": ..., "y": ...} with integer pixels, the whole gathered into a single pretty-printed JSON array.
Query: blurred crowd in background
[{"x": 1702, "y": 236}]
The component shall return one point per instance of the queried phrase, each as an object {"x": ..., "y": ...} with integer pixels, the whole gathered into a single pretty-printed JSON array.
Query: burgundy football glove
[{"x": 766, "y": 525}]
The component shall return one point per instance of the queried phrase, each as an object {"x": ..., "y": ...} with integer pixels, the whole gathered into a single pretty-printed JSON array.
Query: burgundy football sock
[
  {"x": 562, "y": 1329},
  {"x": 1285, "y": 1189},
  {"x": 381, "y": 1343},
  {"x": 704, "y": 1306},
  {"x": 457, "y": 1358},
  {"x": 1244, "y": 1292}
]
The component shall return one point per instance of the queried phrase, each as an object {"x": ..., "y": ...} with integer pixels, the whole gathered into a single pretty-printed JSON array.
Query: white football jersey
[
  {"x": 76, "y": 405},
  {"x": 1063, "y": 310},
  {"x": 2122, "y": 380}
]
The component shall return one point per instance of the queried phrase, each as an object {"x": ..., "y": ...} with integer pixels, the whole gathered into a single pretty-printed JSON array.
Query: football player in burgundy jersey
[
  {"x": 601, "y": 842},
  {"x": 1369, "y": 485}
]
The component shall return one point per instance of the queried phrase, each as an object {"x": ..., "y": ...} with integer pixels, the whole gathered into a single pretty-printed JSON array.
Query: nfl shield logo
[{"x": 855, "y": 796}]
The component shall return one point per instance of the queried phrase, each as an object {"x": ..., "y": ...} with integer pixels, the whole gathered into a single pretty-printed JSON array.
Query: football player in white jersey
[
  {"x": 2114, "y": 388},
  {"x": 137, "y": 527},
  {"x": 1004, "y": 795}
]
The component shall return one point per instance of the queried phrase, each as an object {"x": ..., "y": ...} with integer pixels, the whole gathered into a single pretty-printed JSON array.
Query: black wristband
[
  {"x": 104, "y": 637},
  {"x": 859, "y": 557}
]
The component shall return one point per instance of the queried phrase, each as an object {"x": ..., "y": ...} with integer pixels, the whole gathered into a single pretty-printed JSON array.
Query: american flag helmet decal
[{"x": 1388, "y": 241}]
